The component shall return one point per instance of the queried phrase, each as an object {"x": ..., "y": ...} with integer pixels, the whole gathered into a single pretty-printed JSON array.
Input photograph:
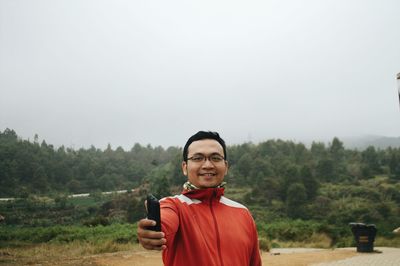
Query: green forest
[{"x": 297, "y": 194}]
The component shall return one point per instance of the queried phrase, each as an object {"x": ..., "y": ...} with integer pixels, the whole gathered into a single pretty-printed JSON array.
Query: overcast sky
[{"x": 83, "y": 73}]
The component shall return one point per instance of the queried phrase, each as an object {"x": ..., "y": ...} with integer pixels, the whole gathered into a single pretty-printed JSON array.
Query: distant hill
[
  {"x": 363, "y": 142},
  {"x": 359, "y": 142}
]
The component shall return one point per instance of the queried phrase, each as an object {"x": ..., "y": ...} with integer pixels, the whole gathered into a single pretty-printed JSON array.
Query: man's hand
[{"x": 150, "y": 239}]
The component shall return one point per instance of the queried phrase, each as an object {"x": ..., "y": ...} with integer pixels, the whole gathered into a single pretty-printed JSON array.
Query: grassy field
[
  {"x": 111, "y": 253},
  {"x": 73, "y": 253},
  {"x": 62, "y": 244},
  {"x": 118, "y": 233},
  {"x": 81, "y": 245},
  {"x": 32, "y": 236}
]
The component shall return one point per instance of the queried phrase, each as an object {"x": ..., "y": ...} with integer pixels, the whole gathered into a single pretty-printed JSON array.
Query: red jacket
[{"x": 203, "y": 227}]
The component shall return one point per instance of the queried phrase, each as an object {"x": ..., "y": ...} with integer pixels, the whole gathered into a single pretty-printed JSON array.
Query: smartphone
[{"x": 153, "y": 212}]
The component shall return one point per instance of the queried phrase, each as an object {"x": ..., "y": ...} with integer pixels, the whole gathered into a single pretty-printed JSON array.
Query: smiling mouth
[{"x": 208, "y": 174}]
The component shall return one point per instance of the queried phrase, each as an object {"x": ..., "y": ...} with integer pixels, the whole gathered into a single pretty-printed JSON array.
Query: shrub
[
  {"x": 99, "y": 220},
  {"x": 264, "y": 244},
  {"x": 290, "y": 230},
  {"x": 118, "y": 233}
]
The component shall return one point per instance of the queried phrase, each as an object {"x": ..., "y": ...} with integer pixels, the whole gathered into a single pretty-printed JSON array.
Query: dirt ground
[
  {"x": 150, "y": 258},
  {"x": 138, "y": 256}
]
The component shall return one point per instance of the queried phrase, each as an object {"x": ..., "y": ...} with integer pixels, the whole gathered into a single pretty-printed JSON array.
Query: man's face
[{"x": 205, "y": 173}]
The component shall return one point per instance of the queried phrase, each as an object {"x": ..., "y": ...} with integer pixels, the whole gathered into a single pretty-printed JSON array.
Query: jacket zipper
[{"x": 216, "y": 227}]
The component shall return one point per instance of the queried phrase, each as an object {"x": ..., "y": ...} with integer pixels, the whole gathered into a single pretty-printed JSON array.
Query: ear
[
  {"x": 226, "y": 167},
  {"x": 184, "y": 168}
]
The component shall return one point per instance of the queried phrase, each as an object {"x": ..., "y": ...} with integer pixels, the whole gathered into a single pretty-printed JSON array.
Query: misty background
[{"x": 81, "y": 73}]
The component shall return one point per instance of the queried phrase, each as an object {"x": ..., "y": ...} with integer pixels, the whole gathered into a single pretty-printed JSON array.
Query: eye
[
  {"x": 197, "y": 158},
  {"x": 216, "y": 158}
]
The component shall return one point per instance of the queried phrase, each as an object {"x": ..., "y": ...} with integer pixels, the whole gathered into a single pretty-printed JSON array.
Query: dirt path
[
  {"x": 382, "y": 256},
  {"x": 150, "y": 258},
  {"x": 137, "y": 256}
]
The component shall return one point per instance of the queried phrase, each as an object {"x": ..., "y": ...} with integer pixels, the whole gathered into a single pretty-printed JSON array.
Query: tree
[
  {"x": 40, "y": 181},
  {"x": 260, "y": 166},
  {"x": 295, "y": 200},
  {"x": 178, "y": 178},
  {"x": 318, "y": 150},
  {"x": 74, "y": 186},
  {"x": 370, "y": 160},
  {"x": 161, "y": 188},
  {"x": 265, "y": 191},
  {"x": 301, "y": 154},
  {"x": 394, "y": 165},
  {"x": 325, "y": 170},
  {"x": 337, "y": 150},
  {"x": 91, "y": 182},
  {"x": 135, "y": 210},
  {"x": 9, "y": 134},
  {"x": 290, "y": 177},
  {"x": 310, "y": 182},
  {"x": 244, "y": 164}
]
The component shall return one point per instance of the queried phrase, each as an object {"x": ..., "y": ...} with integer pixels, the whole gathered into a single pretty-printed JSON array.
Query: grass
[
  {"x": 387, "y": 242},
  {"x": 74, "y": 253},
  {"x": 83, "y": 252},
  {"x": 74, "y": 245},
  {"x": 119, "y": 233},
  {"x": 63, "y": 245},
  {"x": 315, "y": 241},
  {"x": 236, "y": 193}
]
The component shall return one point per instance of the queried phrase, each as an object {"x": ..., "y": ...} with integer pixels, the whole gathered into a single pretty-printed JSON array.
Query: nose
[{"x": 207, "y": 163}]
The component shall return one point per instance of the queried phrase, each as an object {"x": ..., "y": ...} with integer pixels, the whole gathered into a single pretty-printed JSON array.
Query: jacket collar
[
  {"x": 205, "y": 194},
  {"x": 190, "y": 186}
]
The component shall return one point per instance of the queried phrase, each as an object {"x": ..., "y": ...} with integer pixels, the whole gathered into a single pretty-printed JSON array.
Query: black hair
[{"x": 200, "y": 136}]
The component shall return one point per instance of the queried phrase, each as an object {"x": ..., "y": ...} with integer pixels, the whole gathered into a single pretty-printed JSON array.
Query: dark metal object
[{"x": 364, "y": 236}]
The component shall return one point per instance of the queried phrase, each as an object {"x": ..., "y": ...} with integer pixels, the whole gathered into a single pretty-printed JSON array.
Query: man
[{"x": 201, "y": 226}]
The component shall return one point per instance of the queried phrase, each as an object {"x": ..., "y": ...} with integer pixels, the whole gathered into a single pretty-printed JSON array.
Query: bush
[
  {"x": 99, "y": 220},
  {"x": 264, "y": 244},
  {"x": 118, "y": 233},
  {"x": 290, "y": 230}
]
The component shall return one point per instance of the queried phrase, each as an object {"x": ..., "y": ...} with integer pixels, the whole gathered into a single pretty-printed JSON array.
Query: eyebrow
[{"x": 199, "y": 153}]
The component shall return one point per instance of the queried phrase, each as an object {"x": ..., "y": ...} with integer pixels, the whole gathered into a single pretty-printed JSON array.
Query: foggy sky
[{"x": 81, "y": 73}]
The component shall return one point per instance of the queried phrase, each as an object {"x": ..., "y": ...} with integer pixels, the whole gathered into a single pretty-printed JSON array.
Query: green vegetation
[
  {"x": 119, "y": 233},
  {"x": 89, "y": 211},
  {"x": 297, "y": 195},
  {"x": 40, "y": 169}
]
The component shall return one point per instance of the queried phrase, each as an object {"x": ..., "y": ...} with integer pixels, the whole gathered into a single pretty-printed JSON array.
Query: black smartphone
[{"x": 153, "y": 212}]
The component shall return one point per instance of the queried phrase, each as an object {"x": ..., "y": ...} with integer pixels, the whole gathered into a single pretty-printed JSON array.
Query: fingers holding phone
[{"x": 149, "y": 230}]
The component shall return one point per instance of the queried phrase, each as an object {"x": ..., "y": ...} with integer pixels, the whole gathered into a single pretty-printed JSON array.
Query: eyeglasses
[{"x": 214, "y": 158}]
